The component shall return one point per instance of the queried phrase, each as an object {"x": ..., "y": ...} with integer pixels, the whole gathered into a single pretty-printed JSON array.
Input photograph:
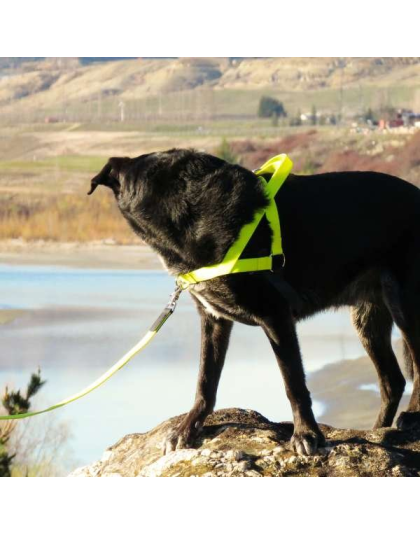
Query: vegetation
[
  {"x": 61, "y": 163},
  {"x": 271, "y": 107},
  {"x": 14, "y": 402},
  {"x": 225, "y": 151},
  {"x": 314, "y": 117},
  {"x": 45, "y": 198},
  {"x": 296, "y": 120},
  {"x": 369, "y": 116},
  {"x": 67, "y": 218},
  {"x": 32, "y": 447}
]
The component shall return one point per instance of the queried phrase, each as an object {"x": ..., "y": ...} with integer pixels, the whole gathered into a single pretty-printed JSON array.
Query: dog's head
[{"x": 183, "y": 199}]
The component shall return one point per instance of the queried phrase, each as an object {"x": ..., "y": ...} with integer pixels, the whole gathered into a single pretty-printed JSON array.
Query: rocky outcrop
[{"x": 243, "y": 443}]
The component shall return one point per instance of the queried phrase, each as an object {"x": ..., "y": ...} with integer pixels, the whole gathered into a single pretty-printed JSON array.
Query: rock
[{"x": 243, "y": 443}]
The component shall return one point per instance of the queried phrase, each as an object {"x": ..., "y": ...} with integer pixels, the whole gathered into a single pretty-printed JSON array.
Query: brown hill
[{"x": 59, "y": 84}]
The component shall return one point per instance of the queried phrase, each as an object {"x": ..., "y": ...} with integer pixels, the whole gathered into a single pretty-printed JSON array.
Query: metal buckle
[{"x": 278, "y": 261}]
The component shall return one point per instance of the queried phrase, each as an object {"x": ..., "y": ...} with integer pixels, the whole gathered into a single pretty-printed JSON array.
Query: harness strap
[
  {"x": 285, "y": 290},
  {"x": 279, "y": 167}
]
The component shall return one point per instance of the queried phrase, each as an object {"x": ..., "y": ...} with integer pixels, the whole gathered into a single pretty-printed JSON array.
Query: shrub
[
  {"x": 270, "y": 107},
  {"x": 225, "y": 151}
]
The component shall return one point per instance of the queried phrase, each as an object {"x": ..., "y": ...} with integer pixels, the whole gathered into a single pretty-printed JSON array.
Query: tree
[
  {"x": 32, "y": 447},
  {"x": 224, "y": 151},
  {"x": 314, "y": 117},
  {"x": 297, "y": 120},
  {"x": 14, "y": 403},
  {"x": 369, "y": 115},
  {"x": 275, "y": 120},
  {"x": 270, "y": 107}
]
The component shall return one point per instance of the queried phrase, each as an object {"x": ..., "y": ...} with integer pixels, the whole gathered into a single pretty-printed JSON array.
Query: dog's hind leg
[
  {"x": 410, "y": 329},
  {"x": 373, "y": 323},
  {"x": 215, "y": 334}
]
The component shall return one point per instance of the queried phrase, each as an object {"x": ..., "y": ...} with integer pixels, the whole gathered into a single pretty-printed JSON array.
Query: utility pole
[
  {"x": 100, "y": 105},
  {"x": 341, "y": 95},
  {"x": 121, "y": 105},
  {"x": 160, "y": 105}
]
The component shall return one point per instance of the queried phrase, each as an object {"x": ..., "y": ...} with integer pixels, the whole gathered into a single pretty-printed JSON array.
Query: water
[{"x": 78, "y": 322}]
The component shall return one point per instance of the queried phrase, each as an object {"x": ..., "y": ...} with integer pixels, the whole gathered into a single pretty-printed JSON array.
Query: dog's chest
[
  {"x": 209, "y": 308},
  {"x": 220, "y": 306}
]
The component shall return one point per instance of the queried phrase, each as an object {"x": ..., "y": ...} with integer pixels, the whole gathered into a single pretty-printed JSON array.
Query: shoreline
[
  {"x": 96, "y": 255},
  {"x": 8, "y": 316}
]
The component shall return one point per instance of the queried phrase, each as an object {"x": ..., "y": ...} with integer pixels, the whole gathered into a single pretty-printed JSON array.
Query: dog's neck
[{"x": 185, "y": 247}]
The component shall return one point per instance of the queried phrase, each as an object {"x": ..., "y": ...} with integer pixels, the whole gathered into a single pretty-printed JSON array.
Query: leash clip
[
  {"x": 174, "y": 298},
  {"x": 167, "y": 311}
]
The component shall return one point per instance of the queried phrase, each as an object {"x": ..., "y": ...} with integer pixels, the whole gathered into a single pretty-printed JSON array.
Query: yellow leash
[{"x": 154, "y": 329}]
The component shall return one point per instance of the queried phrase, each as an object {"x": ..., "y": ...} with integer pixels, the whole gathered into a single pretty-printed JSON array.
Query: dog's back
[{"x": 337, "y": 225}]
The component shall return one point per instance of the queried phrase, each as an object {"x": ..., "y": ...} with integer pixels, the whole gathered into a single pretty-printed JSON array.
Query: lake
[{"x": 78, "y": 322}]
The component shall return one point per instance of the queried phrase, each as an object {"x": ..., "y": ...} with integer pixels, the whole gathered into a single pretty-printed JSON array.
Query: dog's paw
[
  {"x": 408, "y": 421},
  {"x": 172, "y": 442},
  {"x": 182, "y": 437},
  {"x": 306, "y": 443}
]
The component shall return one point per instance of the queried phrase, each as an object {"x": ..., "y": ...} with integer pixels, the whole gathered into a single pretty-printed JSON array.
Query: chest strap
[{"x": 279, "y": 167}]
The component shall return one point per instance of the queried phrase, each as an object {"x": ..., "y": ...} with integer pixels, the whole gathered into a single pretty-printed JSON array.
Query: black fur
[{"x": 350, "y": 238}]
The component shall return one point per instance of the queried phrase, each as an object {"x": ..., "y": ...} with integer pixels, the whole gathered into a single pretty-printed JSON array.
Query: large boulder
[{"x": 237, "y": 442}]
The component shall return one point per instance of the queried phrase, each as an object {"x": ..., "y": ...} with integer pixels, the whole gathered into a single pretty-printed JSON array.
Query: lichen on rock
[{"x": 243, "y": 443}]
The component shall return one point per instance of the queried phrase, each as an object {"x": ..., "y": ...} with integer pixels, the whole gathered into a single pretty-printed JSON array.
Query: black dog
[{"x": 350, "y": 238}]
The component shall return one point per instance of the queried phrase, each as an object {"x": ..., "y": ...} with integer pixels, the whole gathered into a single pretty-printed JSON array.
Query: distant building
[{"x": 402, "y": 117}]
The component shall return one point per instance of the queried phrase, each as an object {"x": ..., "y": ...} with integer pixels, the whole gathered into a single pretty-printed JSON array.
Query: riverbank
[
  {"x": 93, "y": 255},
  {"x": 7, "y": 316}
]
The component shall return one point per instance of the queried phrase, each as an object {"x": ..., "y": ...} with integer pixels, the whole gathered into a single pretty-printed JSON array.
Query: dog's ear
[{"x": 111, "y": 175}]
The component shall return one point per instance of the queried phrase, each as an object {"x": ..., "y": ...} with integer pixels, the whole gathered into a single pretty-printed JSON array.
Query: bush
[
  {"x": 296, "y": 120},
  {"x": 225, "y": 151},
  {"x": 271, "y": 107},
  {"x": 15, "y": 403}
]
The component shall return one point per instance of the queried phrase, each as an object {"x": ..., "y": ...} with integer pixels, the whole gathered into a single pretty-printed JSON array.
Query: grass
[
  {"x": 45, "y": 199},
  {"x": 64, "y": 163},
  {"x": 67, "y": 218}
]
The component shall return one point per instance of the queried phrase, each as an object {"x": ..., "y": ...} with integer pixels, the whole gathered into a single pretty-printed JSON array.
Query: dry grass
[
  {"x": 46, "y": 200},
  {"x": 69, "y": 218},
  {"x": 39, "y": 202}
]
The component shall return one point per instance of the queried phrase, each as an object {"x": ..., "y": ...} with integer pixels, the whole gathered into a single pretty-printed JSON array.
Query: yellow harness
[{"x": 279, "y": 167}]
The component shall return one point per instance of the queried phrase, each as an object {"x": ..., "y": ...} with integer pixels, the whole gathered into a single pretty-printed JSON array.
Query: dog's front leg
[
  {"x": 215, "y": 334},
  {"x": 281, "y": 332}
]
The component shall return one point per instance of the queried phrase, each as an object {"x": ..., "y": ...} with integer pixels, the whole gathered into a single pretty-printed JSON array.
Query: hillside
[{"x": 68, "y": 88}]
